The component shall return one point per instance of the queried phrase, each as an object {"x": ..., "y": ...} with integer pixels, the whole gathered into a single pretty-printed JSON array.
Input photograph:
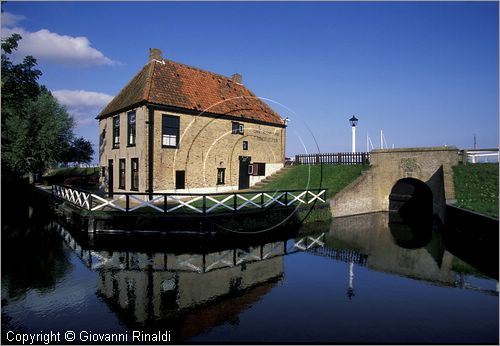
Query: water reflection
[
  {"x": 190, "y": 292},
  {"x": 300, "y": 282},
  {"x": 26, "y": 226},
  {"x": 417, "y": 250}
]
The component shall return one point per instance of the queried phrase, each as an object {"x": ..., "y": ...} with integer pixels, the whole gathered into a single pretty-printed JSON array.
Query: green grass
[
  {"x": 332, "y": 177},
  {"x": 476, "y": 187}
]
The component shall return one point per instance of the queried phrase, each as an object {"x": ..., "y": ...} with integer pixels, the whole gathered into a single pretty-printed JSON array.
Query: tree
[
  {"x": 36, "y": 129},
  {"x": 19, "y": 81},
  {"x": 80, "y": 151},
  {"x": 38, "y": 136}
]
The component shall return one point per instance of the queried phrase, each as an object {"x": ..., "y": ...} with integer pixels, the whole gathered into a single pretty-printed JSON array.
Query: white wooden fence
[{"x": 182, "y": 202}]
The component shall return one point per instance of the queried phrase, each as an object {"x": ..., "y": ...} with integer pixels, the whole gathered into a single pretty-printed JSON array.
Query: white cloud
[
  {"x": 82, "y": 105},
  {"x": 82, "y": 97},
  {"x": 10, "y": 19},
  {"x": 50, "y": 46}
]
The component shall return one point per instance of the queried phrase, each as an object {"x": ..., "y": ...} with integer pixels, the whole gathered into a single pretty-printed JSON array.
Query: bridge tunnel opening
[{"x": 411, "y": 213}]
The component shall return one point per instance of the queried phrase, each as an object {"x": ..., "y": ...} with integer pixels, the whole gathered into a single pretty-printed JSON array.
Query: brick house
[{"x": 176, "y": 128}]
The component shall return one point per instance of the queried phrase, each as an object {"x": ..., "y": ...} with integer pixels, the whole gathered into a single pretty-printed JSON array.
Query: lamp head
[{"x": 353, "y": 121}]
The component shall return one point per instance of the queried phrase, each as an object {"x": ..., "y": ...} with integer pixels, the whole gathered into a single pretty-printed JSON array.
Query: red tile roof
[{"x": 170, "y": 83}]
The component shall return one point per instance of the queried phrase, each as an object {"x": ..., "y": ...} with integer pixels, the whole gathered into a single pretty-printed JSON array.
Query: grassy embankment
[
  {"x": 76, "y": 176},
  {"x": 331, "y": 177},
  {"x": 476, "y": 187}
]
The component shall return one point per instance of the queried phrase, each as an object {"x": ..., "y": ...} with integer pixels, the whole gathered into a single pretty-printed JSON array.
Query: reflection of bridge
[
  {"x": 344, "y": 255},
  {"x": 188, "y": 292},
  {"x": 188, "y": 262},
  {"x": 192, "y": 292},
  {"x": 428, "y": 167},
  {"x": 431, "y": 262}
]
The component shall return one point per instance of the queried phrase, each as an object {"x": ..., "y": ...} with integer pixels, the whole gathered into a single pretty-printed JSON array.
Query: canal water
[{"x": 355, "y": 280}]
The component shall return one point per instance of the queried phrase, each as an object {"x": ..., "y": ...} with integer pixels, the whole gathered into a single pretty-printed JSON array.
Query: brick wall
[{"x": 205, "y": 144}]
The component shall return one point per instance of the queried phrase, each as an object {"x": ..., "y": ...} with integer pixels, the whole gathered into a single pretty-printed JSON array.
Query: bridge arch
[
  {"x": 411, "y": 213},
  {"x": 410, "y": 196}
]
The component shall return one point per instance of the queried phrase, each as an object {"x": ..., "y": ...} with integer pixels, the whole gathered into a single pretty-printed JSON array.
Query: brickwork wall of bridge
[{"x": 370, "y": 192}]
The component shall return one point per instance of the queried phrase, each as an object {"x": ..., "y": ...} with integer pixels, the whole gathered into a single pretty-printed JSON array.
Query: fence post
[
  {"x": 204, "y": 204},
  {"x": 235, "y": 202},
  {"x": 127, "y": 202},
  {"x": 165, "y": 198}
]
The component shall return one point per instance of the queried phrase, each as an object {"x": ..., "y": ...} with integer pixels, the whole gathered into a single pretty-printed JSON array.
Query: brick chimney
[
  {"x": 237, "y": 78},
  {"x": 155, "y": 54}
]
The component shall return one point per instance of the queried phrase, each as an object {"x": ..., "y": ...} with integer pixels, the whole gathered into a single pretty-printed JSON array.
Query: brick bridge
[{"x": 399, "y": 176}]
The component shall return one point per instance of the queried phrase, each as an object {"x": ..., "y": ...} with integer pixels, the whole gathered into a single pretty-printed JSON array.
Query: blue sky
[{"x": 424, "y": 73}]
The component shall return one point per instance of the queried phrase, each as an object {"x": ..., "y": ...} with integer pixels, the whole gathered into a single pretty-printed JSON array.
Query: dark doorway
[
  {"x": 180, "y": 180},
  {"x": 110, "y": 178},
  {"x": 244, "y": 177}
]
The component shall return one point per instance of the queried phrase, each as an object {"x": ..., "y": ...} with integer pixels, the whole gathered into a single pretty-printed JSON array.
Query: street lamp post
[{"x": 354, "y": 122}]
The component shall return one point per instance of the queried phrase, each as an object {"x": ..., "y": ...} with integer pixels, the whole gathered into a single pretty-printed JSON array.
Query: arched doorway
[{"x": 410, "y": 213}]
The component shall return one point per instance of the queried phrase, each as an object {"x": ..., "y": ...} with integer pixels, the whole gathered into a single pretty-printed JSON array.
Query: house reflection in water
[
  {"x": 140, "y": 286},
  {"x": 189, "y": 293}
]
